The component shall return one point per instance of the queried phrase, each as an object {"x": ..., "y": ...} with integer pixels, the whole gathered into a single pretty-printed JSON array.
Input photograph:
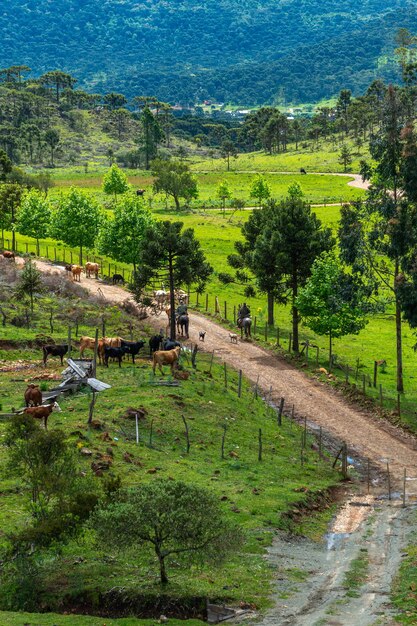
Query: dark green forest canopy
[{"x": 249, "y": 52}]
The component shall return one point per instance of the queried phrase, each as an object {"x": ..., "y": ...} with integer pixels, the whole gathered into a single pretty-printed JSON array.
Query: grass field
[
  {"x": 255, "y": 494},
  {"x": 318, "y": 188}
]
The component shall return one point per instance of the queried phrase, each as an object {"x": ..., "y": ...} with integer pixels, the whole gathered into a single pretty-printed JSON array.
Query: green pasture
[
  {"x": 325, "y": 158},
  {"x": 318, "y": 188},
  {"x": 404, "y": 592},
  {"x": 255, "y": 494}
]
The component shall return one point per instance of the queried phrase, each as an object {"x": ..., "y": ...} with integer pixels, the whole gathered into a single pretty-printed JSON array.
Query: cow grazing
[
  {"x": 33, "y": 395},
  {"x": 132, "y": 347},
  {"x": 302, "y": 171},
  {"x": 8, "y": 254},
  {"x": 86, "y": 343},
  {"x": 42, "y": 412},
  {"x": 92, "y": 268},
  {"x": 55, "y": 350},
  {"x": 118, "y": 278},
  {"x": 76, "y": 272},
  {"x": 114, "y": 353},
  {"x": 166, "y": 357},
  {"x": 107, "y": 342},
  {"x": 140, "y": 192}
]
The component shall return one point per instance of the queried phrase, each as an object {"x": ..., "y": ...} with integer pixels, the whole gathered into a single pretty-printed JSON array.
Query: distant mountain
[{"x": 243, "y": 51}]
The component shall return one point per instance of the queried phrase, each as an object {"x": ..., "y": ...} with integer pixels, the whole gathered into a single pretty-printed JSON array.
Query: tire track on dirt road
[{"x": 368, "y": 437}]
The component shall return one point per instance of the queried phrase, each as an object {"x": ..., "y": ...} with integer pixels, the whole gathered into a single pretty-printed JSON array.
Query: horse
[
  {"x": 183, "y": 322},
  {"x": 244, "y": 325}
]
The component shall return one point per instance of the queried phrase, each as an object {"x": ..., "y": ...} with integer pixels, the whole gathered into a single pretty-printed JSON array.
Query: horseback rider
[
  {"x": 244, "y": 311},
  {"x": 181, "y": 309}
]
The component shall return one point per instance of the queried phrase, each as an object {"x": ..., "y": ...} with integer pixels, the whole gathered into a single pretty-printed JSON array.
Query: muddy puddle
[{"x": 344, "y": 580}]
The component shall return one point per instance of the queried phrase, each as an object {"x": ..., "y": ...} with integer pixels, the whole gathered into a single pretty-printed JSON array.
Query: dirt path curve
[{"x": 367, "y": 437}]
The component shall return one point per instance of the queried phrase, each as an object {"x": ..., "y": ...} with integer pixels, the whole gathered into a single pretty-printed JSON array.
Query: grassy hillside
[
  {"x": 256, "y": 494},
  {"x": 192, "y": 50}
]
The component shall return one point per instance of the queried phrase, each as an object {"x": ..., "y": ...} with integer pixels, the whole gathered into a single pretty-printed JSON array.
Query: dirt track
[{"x": 369, "y": 438}]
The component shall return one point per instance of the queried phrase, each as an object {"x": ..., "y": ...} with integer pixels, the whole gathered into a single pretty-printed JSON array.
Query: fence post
[
  {"x": 26, "y": 244},
  {"x": 260, "y": 445},
  {"x": 71, "y": 256},
  {"x": 216, "y": 305},
  {"x": 277, "y": 336},
  {"x": 280, "y": 410},
  {"x": 375, "y": 372},
  {"x": 380, "y": 396},
  {"x": 196, "y": 304},
  {"x": 187, "y": 435},
  {"x": 239, "y": 387},
  {"x": 225, "y": 310},
  {"x": 47, "y": 252},
  {"x": 290, "y": 342},
  {"x": 54, "y": 253},
  {"x": 254, "y": 326},
  {"x": 206, "y": 302}
]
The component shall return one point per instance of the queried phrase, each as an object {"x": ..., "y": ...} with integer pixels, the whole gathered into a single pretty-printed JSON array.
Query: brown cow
[
  {"x": 33, "y": 395},
  {"x": 92, "y": 268},
  {"x": 88, "y": 343},
  {"x": 76, "y": 272},
  {"x": 42, "y": 412},
  {"x": 166, "y": 357}
]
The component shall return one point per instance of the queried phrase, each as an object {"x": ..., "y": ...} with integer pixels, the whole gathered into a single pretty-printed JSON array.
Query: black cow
[
  {"x": 302, "y": 171},
  {"x": 140, "y": 192},
  {"x": 55, "y": 350},
  {"x": 168, "y": 344},
  {"x": 132, "y": 347},
  {"x": 114, "y": 353},
  {"x": 118, "y": 278},
  {"x": 155, "y": 343}
]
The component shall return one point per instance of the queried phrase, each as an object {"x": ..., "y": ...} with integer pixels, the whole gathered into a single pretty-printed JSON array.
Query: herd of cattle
[{"x": 117, "y": 347}]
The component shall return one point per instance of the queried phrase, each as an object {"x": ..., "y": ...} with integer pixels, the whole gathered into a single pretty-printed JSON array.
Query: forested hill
[{"x": 251, "y": 51}]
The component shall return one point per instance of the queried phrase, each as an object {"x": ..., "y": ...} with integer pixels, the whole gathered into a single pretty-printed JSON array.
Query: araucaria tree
[
  {"x": 178, "y": 521},
  {"x": 333, "y": 302},
  {"x": 34, "y": 217},
  {"x": 174, "y": 178},
  {"x": 115, "y": 182},
  {"x": 30, "y": 282},
  {"x": 282, "y": 240},
  {"x": 378, "y": 237},
  {"x": 77, "y": 221},
  {"x": 121, "y": 236},
  {"x": 170, "y": 254}
]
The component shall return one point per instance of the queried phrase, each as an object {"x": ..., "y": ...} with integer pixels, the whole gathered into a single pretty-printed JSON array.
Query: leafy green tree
[
  {"x": 378, "y": 237},
  {"x": 10, "y": 199},
  {"x": 30, "y": 282},
  {"x": 227, "y": 150},
  {"x": 173, "y": 256},
  {"x": 260, "y": 189},
  {"x": 175, "y": 179},
  {"x": 281, "y": 242},
  {"x": 58, "y": 81},
  {"x": 52, "y": 139},
  {"x": 59, "y": 499},
  {"x": 151, "y": 135},
  {"x": 345, "y": 157},
  {"x": 34, "y": 217},
  {"x": 114, "y": 100},
  {"x": 115, "y": 181},
  {"x": 223, "y": 193},
  {"x": 332, "y": 302},
  {"x": 5, "y": 165},
  {"x": 121, "y": 237},
  {"x": 77, "y": 221},
  {"x": 176, "y": 520}
]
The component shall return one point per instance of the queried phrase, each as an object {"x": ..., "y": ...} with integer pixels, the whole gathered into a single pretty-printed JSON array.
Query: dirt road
[
  {"x": 367, "y": 437},
  {"x": 312, "y": 585}
]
